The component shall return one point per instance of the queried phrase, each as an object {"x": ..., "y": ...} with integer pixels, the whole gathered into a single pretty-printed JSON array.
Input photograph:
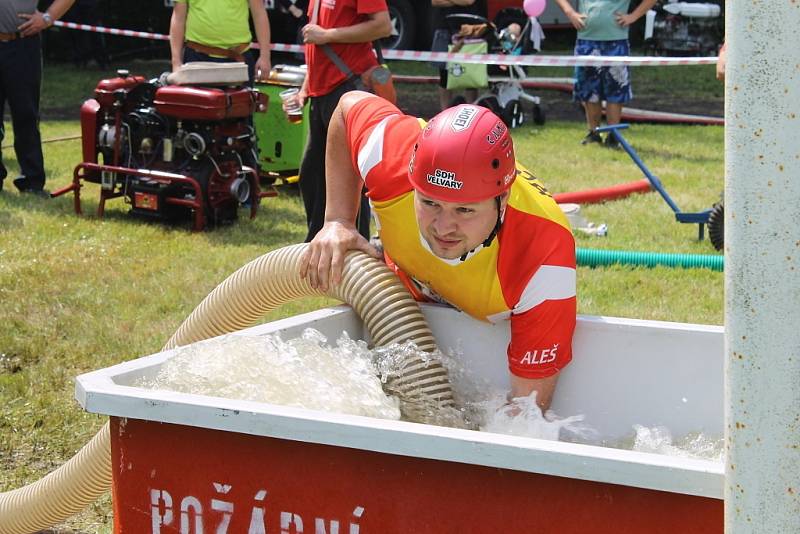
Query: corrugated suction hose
[{"x": 376, "y": 294}]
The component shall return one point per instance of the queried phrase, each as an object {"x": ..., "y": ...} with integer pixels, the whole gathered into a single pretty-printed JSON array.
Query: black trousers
[
  {"x": 20, "y": 85},
  {"x": 86, "y": 45},
  {"x": 312, "y": 168}
]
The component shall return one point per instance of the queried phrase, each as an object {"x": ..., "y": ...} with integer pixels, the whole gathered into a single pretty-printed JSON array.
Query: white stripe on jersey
[
  {"x": 551, "y": 282},
  {"x": 371, "y": 153}
]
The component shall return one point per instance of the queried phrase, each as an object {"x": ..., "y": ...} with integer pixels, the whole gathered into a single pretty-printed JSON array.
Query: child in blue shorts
[{"x": 602, "y": 31}]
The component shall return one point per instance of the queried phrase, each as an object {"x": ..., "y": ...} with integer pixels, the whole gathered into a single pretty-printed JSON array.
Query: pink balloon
[{"x": 534, "y": 8}]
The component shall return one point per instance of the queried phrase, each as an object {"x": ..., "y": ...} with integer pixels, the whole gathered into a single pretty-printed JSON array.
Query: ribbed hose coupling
[{"x": 389, "y": 313}]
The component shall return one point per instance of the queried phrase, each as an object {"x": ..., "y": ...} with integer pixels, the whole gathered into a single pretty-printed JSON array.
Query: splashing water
[
  {"x": 349, "y": 378},
  {"x": 489, "y": 409},
  {"x": 694, "y": 445},
  {"x": 303, "y": 372},
  {"x": 523, "y": 417}
]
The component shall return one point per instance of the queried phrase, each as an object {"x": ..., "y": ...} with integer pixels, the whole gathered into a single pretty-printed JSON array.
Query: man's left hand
[
  {"x": 263, "y": 66},
  {"x": 34, "y": 23},
  {"x": 624, "y": 20}
]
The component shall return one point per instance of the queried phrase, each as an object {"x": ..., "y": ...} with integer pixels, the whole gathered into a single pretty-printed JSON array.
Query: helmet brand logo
[
  {"x": 445, "y": 179},
  {"x": 463, "y": 118},
  {"x": 496, "y": 133}
]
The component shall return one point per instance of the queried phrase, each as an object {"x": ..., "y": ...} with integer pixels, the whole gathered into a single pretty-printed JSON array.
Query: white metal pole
[{"x": 762, "y": 266}]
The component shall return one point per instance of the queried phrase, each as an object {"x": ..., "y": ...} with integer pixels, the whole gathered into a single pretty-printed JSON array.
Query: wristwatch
[{"x": 47, "y": 19}]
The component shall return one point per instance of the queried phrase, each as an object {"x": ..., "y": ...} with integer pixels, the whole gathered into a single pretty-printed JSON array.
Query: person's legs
[
  {"x": 444, "y": 95},
  {"x": 4, "y": 76},
  {"x": 95, "y": 42},
  {"x": 594, "y": 114},
  {"x": 613, "y": 112},
  {"x": 312, "y": 168},
  {"x": 616, "y": 86},
  {"x": 22, "y": 92},
  {"x": 312, "y": 171},
  {"x": 440, "y": 43},
  {"x": 250, "y": 58},
  {"x": 587, "y": 91}
]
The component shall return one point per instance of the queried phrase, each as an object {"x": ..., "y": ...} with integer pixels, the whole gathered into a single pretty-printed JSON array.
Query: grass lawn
[{"x": 81, "y": 293}]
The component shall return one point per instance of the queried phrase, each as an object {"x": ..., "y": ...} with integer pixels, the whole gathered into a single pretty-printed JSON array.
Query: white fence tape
[{"x": 415, "y": 55}]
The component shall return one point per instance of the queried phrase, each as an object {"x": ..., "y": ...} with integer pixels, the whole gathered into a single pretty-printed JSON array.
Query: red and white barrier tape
[
  {"x": 112, "y": 31},
  {"x": 489, "y": 59}
]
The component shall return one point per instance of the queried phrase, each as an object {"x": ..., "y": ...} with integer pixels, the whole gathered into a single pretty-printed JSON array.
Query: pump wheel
[{"x": 716, "y": 225}]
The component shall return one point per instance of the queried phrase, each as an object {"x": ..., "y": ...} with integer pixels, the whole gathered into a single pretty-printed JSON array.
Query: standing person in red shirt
[
  {"x": 348, "y": 27},
  {"x": 461, "y": 221}
]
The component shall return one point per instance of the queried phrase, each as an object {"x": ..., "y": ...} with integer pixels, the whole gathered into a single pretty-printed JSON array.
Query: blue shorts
[{"x": 595, "y": 84}]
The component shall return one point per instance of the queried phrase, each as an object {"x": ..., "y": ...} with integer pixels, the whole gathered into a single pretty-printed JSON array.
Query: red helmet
[{"x": 464, "y": 154}]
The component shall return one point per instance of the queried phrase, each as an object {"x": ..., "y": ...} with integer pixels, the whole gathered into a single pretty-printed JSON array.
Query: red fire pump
[{"x": 173, "y": 152}]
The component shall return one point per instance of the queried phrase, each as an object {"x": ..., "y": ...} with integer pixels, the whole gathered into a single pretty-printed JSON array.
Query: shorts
[{"x": 595, "y": 84}]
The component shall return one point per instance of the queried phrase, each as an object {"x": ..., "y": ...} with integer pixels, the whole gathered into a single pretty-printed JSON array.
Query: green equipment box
[{"x": 280, "y": 142}]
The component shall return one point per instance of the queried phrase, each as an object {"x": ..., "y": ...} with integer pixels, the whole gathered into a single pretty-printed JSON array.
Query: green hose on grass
[{"x": 597, "y": 258}]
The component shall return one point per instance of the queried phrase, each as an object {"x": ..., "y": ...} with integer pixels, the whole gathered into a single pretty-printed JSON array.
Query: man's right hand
[
  {"x": 297, "y": 100},
  {"x": 315, "y": 34},
  {"x": 323, "y": 259},
  {"x": 578, "y": 20}
]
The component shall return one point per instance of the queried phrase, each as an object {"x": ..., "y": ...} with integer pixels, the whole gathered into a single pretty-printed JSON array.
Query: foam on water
[
  {"x": 303, "y": 372},
  {"x": 695, "y": 445}
]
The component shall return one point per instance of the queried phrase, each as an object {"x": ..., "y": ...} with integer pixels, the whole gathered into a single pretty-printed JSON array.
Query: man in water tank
[{"x": 459, "y": 221}]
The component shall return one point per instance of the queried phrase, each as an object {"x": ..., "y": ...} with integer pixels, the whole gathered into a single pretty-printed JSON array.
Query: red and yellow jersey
[{"x": 526, "y": 274}]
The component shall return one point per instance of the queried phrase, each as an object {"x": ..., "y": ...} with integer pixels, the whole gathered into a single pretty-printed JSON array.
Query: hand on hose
[{"x": 323, "y": 260}]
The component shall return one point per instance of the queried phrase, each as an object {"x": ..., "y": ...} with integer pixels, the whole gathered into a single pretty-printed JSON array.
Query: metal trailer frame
[
  {"x": 104, "y": 175},
  {"x": 701, "y": 218}
]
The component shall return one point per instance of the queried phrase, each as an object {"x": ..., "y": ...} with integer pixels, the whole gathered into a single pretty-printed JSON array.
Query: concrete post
[{"x": 762, "y": 266}]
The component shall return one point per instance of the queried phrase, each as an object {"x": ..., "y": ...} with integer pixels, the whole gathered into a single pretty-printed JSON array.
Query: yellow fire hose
[{"x": 375, "y": 293}]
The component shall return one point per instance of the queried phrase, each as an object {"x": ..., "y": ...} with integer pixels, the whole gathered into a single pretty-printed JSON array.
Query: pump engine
[
  {"x": 689, "y": 27},
  {"x": 172, "y": 151}
]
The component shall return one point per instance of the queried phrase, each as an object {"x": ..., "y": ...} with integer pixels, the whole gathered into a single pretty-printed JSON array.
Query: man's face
[{"x": 453, "y": 229}]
